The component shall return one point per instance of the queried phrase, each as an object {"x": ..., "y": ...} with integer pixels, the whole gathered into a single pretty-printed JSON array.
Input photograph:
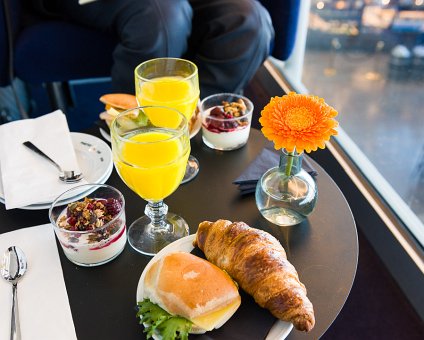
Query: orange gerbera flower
[{"x": 298, "y": 121}]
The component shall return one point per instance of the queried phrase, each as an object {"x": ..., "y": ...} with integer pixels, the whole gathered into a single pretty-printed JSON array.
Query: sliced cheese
[{"x": 216, "y": 319}]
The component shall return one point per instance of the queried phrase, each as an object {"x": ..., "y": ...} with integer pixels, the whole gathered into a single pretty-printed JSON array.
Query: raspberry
[{"x": 217, "y": 112}]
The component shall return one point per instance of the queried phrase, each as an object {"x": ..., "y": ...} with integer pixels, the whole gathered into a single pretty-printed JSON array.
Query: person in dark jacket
[{"x": 227, "y": 39}]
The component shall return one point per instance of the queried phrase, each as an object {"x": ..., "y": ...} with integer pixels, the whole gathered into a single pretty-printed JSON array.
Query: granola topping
[{"x": 89, "y": 214}]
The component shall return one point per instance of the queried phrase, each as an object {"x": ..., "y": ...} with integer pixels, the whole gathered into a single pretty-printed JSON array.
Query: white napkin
[
  {"x": 26, "y": 177},
  {"x": 44, "y": 310}
]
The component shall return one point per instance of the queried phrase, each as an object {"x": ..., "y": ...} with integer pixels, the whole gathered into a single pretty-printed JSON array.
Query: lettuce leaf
[{"x": 158, "y": 320}]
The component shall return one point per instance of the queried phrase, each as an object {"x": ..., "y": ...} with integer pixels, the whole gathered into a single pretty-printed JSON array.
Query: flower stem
[{"x": 289, "y": 163}]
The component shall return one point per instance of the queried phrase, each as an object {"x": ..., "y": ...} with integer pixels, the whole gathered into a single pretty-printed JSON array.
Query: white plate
[
  {"x": 94, "y": 156},
  {"x": 95, "y": 160},
  {"x": 196, "y": 126},
  {"x": 82, "y": 194},
  {"x": 279, "y": 330}
]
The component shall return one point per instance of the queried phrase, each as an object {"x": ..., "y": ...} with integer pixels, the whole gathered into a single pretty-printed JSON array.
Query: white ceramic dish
[
  {"x": 196, "y": 126},
  {"x": 94, "y": 157},
  {"x": 280, "y": 329}
]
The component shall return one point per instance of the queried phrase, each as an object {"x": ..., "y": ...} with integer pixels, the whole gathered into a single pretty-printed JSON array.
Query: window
[{"x": 366, "y": 58}]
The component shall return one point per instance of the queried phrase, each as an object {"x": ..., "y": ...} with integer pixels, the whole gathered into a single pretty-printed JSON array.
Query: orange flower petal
[{"x": 298, "y": 121}]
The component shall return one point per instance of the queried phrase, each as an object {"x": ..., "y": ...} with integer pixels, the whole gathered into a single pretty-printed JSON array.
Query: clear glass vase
[{"x": 286, "y": 194}]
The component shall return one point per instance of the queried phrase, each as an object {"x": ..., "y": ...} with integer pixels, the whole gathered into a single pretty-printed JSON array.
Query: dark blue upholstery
[
  {"x": 48, "y": 51},
  {"x": 284, "y": 16},
  {"x": 59, "y": 51},
  {"x": 4, "y": 80},
  {"x": 14, "y": 8}
]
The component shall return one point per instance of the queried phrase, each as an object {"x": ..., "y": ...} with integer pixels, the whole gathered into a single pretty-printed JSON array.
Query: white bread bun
[
  {"x": 115, "y": 103},
  {"x": 186, "y": 285},
  {"x": 120, "y": 101}
]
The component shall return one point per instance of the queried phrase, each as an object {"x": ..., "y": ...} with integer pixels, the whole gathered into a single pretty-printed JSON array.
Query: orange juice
[
  {"x": 153, "y": 163},
  {"x": 174, "y": 92}
]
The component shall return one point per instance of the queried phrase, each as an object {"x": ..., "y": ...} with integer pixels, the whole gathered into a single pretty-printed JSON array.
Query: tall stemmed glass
[
  {"x": 174, "y": 83},
  {"x": 150, "y": 154}
]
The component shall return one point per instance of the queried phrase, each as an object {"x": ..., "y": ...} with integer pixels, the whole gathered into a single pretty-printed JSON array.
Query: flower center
[{"x": 299, "y": 118}]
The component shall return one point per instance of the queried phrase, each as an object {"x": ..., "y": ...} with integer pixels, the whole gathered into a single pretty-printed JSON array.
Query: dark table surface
[{"x": 324, "y": 248}]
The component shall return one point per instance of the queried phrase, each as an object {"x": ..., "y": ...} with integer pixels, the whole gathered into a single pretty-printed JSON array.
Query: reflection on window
[{"x": 366, "y": 58}]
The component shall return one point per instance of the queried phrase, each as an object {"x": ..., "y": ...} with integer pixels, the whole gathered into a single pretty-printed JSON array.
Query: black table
[{"x": 324, "y": 248}]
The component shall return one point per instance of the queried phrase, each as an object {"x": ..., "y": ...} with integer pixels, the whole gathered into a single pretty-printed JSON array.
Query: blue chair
[
  {"x": 50, "y": 53},
  {"x": 47, "y": 54},
  {"x": 284, "y": 16}
]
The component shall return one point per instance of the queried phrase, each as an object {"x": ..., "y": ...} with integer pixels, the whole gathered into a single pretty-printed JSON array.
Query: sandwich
[
  {"x": 183, "y": 294},
  {"x": 115, "y": 103}
]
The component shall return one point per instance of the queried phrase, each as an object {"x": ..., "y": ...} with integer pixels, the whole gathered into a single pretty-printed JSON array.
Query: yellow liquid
[
  {"x": 174, "y": 92},
  {"x": 152, "y": 170}
]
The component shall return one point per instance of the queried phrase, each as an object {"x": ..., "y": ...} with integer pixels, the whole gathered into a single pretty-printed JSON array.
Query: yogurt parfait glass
[
  {"x": 226, "y": 120},
  {"x": 91, "y": 229}
]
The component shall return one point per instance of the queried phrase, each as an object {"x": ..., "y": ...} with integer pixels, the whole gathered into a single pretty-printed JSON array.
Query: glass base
[
  {"x": 147, "y": 240},
  {"x": 82, "y": 264},
  {"x": 192, "y": 169},
  {"x": 283, "y": 217}
]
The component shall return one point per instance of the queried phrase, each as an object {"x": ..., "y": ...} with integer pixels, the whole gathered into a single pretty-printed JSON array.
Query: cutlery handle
[
  {"x": 32, "y": 147},
  {"x": 15, "y": 329}
]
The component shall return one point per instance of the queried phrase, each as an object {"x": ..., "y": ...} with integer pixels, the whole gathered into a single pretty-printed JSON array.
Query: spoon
[
  {"x": 13, "y": 267},
  {"x": 67, "y": 176}
]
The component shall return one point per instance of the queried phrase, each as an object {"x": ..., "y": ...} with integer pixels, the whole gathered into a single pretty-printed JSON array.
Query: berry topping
[
  {"x": 113, "y": 207},
  {"x": 227, "y": 118}
]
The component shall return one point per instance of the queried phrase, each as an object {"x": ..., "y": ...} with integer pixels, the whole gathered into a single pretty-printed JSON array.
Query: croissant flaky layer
[{"x": 258, "y": 262}]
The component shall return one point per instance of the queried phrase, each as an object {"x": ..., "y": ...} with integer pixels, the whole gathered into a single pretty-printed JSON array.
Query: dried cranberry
[
  {"x": 215, "y": 124},
  {"x": 230, "y": 125},
  {"x": 217, "y": 112},
  {"x": 113, "y": 207},
  {"x": 72, "y": 221}
]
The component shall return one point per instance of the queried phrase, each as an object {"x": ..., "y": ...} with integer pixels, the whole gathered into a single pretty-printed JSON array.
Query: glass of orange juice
[
  {"x": 150, "y": 155},
  {"x": 170, "y": 82}
]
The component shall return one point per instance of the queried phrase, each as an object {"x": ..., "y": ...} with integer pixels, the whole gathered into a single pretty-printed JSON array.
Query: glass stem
[{"x": 157, "y": 211}]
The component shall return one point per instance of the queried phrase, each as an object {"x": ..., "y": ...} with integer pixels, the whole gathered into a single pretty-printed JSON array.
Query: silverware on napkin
[{"x": 13, "y": 267}]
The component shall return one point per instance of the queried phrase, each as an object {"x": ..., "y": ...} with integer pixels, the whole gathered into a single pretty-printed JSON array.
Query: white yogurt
[
  {"x": 85, "y": 253},
  {"x": 226, "y": 140}
]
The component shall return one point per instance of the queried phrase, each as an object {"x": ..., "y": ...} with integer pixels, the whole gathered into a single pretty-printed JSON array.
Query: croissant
[{"x": 257, "y": 262}]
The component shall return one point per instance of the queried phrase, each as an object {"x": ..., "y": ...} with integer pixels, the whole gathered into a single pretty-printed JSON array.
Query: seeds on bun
[{"x": 189, "y": 287}]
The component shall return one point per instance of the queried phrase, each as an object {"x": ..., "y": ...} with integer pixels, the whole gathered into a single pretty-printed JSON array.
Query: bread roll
[
  {"x": 121, "y": 101},
  {"x": 191, "y": 287}
]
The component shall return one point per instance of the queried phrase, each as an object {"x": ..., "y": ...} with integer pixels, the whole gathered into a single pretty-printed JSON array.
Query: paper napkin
[
  {"x": 44, "y": 310},
  {"x": 26, "y": 177},
  {"x": 268, "y": 158}
]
